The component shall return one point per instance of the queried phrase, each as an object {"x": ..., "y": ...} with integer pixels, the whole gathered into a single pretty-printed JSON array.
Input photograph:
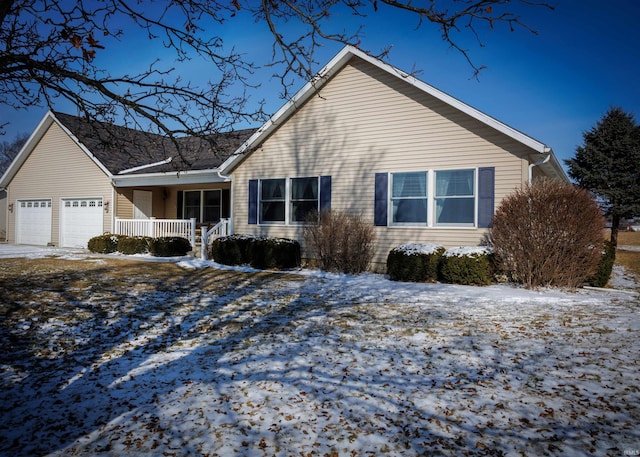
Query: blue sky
[{"x": 552, "y": 86}]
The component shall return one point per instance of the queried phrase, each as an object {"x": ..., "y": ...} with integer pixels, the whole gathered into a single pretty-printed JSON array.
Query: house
[
  {"x": 362, "y": 137},
  {"x": 74, "y": 179},
  {"x": 365, "y": 137}
]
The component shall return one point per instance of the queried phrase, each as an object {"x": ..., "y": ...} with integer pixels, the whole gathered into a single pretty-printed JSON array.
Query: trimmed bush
[
  {"x": 278, "y": 253},
  {"x": 169, "y": 246},
  {"x": 259, "y": 252},
  {"x": 548, "y": 234},
  {"x": 104, "y": 244},
  {"x": 414, "y": 262},
  {"x": 469, "y": 266},
  {"x": 231, "y": 250},
  {"x": 605, "y": 267},
  {"x": 130, "y": 245},
  {"x": 339, "y": 241}
]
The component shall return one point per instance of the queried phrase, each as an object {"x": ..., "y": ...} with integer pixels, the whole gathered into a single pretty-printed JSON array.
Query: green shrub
[
  {"x": 104, "y": 244},
  {"x": 605, "y": 267},
  {"x": 278, "y": 253},
  {"x": 259, "y": 252},
  {"x": 169, "y": 246},
  {"x": 414, "y": 262},
  {"x": 130, "y": 245},
  {"x": 231, "y": 250},
  {"x": 470, "y": 266}
]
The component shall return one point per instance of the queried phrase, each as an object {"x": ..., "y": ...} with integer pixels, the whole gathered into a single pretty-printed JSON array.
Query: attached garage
[
  {"x": 33, "y": 222},
  {"x": 80, "y": 220}
]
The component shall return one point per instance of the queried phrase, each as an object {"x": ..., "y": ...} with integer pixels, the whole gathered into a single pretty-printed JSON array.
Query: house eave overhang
[
  {"x": 552, "y": 167},
  {"x": 334, "y": 66},
  {"x": 173, "y": 178}
]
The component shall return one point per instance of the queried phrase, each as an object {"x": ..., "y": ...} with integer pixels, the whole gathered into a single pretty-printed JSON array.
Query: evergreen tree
[{"x": 608, "y": 165}]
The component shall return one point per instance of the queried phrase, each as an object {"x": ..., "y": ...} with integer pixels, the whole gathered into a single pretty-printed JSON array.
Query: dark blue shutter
[
  {"x": 179, "y": 214},
  {"x": 486, "y": 196},
  {"x": 226, "y": 203},
  {"x": 253, "y": 202},
  {"x": 381, "y": 190},
  {"x": 325, "y": 193}
]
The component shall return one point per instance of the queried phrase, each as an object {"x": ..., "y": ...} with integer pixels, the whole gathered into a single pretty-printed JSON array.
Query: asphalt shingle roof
[{"x": 120, "y": 148}]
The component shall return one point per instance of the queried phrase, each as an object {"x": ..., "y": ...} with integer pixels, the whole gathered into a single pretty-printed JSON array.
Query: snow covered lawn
[{"x": 104, "y": 356}]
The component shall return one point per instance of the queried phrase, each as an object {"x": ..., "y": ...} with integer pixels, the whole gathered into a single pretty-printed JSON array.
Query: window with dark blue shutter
[
  {"x": 252, "y": 217},
  {"x": 486, "y": 196},
  {"x": 381, "y": 199}
]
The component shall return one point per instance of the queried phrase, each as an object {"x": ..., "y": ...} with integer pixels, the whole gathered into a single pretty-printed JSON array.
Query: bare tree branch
[{"x": 53, "y": 50}]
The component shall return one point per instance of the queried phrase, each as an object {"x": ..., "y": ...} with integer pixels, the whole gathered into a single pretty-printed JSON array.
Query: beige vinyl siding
[
  {"x": 57, "y": 168},
  {"x": 366, "y": 121}
]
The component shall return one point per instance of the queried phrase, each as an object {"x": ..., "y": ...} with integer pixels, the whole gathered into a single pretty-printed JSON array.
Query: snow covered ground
[{"x": 234, "y": 362}]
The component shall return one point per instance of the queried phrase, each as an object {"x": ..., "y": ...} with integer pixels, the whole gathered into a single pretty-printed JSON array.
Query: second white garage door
[{"x": 80, "y": 220}]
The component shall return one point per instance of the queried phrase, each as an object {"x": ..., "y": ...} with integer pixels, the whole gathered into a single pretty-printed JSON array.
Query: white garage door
[
  {"x": 80, "y": 220},
  {"x": 33, "y": 222}
]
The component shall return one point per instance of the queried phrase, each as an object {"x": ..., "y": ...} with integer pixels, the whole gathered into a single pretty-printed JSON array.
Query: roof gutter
[{"x": 537, "y": 164}]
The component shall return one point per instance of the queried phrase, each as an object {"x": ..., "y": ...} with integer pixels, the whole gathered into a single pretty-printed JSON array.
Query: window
[
  {"x": 409, "y": 197},
  {"x": 455, "y": 197},
  {"x": 211, "y": 205},
  {"x": 192, "y": 205},
  {"x": 272, "y": 200},
  {"x": 203, "y": 205},
  {"x": 304, "y": 198},
  {"x": 287, "y": 200},
  {"x": 435, "y": 198}
]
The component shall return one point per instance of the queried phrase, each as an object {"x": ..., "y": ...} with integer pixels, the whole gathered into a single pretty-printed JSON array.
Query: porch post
[
  {"x": 193, "y": 233},
  {"x": 204, "y": 242}
]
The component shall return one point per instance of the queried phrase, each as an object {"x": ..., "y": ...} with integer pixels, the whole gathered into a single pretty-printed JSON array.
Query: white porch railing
[
  {"x": 153, "y": 227},
  {"x": 210, "y": 234}
]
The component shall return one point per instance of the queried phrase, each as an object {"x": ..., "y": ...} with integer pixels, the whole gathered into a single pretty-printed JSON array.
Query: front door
[{"x": 142, "y": 204}]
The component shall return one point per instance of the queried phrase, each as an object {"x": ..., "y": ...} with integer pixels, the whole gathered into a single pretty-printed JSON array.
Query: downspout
[
  {"x": 113, "y": 208},
  {"x": 536, "y": 164},
  {"x": 231, "y": 205}
]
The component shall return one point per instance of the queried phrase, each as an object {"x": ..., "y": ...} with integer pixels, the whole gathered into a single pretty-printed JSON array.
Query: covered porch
[{"x": 195, "y": 206}]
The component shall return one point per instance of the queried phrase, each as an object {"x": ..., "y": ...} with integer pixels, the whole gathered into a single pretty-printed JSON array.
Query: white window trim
[
  {"x": 287, "y": 201},
  {"x": 431, "y": 201}
]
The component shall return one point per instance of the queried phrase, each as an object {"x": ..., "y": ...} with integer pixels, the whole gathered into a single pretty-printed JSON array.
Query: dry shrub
[
  {"x": 548, "y": 234},
  {"x": 340, "y": 241}
]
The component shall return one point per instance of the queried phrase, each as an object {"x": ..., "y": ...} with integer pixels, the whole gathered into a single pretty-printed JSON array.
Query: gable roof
[
  {"x": 125, "y": 151},
  {"x": 338, "y": 63},
  {"x": 121, "y": 151}
]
